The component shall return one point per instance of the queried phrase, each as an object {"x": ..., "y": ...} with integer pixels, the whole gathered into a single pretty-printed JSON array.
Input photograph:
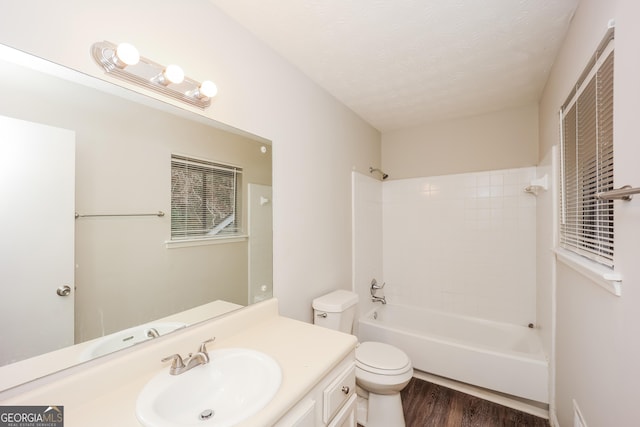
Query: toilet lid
[{"x": 381, "y": 356}]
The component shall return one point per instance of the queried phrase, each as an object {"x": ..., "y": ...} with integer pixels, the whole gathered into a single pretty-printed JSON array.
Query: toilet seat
[{"x": 382, "y": 359}]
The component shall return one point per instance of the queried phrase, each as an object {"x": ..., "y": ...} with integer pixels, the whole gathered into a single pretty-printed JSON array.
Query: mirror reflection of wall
[{"x": 125, "y": 272}]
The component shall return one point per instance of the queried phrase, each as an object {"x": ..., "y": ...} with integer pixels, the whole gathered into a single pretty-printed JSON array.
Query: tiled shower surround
[{"x": 462, "y": 243}]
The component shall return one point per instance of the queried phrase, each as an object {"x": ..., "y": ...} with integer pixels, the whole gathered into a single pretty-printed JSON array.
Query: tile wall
[{"x": 464, "y": 243}]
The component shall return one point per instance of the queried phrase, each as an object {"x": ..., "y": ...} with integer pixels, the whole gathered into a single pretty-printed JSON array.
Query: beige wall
[
  {"x": 597, "y": 345},
  {"x": 500, "y": 140},
  {"x": 316, "y": 140}
]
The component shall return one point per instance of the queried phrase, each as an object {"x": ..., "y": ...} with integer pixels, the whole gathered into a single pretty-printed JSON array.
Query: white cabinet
[
  {"x": 302, "y": 415},
  {"x": 337, "y": 393},
  {"x": 346, "y": 417},
  {"x": 331, "y": 403}
]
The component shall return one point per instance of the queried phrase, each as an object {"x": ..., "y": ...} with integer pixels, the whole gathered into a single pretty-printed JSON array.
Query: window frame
[
  {"x": 586, "y": 123},
  {"x": 183, "y": 230},
  {"x": 593, "y": 265}
]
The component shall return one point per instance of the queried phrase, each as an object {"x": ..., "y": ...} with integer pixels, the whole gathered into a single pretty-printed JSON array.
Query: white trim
[
  {"x": 188, "y": 159},
  {"x": 578, "y": 418},
  {"x": 555, "y": 200},
  {"x": 174, "y": 244},
  {"x": 601, "y": 58},
  {"x": 597, "y": 273}
]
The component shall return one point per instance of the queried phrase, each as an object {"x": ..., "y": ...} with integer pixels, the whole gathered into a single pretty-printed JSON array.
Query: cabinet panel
[
  {"x": 347, "y": 416},
  {"x": 338, "y": 392},
  {"x": 331, "y": 402},
  {"x": 302, "y": 415}
]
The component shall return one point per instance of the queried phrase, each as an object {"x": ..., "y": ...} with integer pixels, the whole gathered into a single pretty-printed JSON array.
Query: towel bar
[
  {"x": 159, "y": 213},
  {"x": 623, "y": 193}
]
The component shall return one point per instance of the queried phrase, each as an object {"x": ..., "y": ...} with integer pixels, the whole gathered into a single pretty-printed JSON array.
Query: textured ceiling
[{"x": 402, "y": 63}]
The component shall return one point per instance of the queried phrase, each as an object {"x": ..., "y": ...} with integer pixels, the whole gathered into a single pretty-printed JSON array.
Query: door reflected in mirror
[{"x": 125, "y": 270}]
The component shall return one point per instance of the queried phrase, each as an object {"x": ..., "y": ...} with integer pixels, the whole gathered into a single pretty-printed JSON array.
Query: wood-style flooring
[{"x": 430, "y": 405}]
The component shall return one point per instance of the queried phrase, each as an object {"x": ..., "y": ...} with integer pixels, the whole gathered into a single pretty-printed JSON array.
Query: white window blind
[
  {"x": 587, "y": 223},
  {"x": 204, "y": 199}
]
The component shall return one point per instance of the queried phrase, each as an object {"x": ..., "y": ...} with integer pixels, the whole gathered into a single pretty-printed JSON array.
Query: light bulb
[
  {"x": 127, "y": 54},
  {"x": 173, "y": 74},
  {"x": 208, "y": 89}
]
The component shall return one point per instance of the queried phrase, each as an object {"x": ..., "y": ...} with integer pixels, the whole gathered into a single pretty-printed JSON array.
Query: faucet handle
[
  {"x": 374, "y": 284},
  {"x": 176, "y": 361},
  {"x": 203, "y": 345}
]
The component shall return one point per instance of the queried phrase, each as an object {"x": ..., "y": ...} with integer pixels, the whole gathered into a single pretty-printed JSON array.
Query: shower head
[{"x": 384, "y": 175}]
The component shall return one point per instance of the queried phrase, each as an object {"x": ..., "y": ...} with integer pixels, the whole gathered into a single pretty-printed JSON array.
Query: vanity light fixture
[
  {"x": 207, "y": 89},
  {"x": 126, "y": 54},
  {"x": 171, "y": 74},
  {"x": 124, "y": 62}
]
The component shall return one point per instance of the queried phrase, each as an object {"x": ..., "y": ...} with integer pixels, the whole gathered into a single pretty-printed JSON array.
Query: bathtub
[{"x": 498, "y": 356}]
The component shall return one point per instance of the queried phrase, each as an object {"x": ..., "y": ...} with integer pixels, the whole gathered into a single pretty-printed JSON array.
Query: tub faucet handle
[{"x": 374, "y": 284}]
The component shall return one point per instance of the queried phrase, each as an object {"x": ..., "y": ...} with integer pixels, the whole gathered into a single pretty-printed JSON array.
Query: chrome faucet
[
  {"x": 375, "y": 287},
  {"x": 152, "y": 333},
  {"x": 180, "y": 365},
  {"x": 379, "y": 299}
]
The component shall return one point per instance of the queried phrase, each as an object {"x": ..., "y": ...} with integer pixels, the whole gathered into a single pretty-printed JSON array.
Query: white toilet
[{"x": 382, "y": 370}]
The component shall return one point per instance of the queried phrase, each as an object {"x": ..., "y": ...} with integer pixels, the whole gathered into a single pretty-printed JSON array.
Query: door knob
[{"x": 63, "y": 291}]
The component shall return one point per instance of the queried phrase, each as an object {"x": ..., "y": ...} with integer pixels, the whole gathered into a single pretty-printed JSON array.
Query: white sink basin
[
  {"x": 127, "y": 338},
  {"x": 234, "y": 385}
]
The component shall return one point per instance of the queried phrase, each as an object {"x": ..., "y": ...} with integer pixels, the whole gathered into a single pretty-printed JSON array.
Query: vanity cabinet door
[
  {"x": 331, "y": 403},
  {"x": 347, "y": 415},
  {"x": 339, "y": 392}
]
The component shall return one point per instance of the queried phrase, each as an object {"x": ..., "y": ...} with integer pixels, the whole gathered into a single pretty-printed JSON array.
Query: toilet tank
[{"x": 335, "y": 310}]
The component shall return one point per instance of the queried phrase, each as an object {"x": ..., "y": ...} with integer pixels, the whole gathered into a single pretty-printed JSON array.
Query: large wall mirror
[{"x": 88, "y": 260}]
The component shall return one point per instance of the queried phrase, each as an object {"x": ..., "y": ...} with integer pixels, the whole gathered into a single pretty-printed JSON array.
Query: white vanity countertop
[
  {"x": 103, "y": 393},
  {"x": 35, "y": 367}
]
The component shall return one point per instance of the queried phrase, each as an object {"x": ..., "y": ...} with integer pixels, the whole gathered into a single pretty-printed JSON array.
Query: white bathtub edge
[{"x": 522, "y": 375}]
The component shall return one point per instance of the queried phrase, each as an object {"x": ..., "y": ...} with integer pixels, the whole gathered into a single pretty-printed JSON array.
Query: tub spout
[
  {"x": 379, "y": 299},
  {"x": 374, "y": 288}
]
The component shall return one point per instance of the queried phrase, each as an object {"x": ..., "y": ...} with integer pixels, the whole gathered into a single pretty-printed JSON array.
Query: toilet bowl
[{"x": 382, "y": 370}]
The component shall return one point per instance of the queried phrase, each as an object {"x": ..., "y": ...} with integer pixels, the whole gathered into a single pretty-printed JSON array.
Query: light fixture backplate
[{"x": 143, "y": 74}]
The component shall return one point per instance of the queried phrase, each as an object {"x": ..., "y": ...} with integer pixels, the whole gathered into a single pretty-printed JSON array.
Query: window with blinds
[
  {"x": 587, "y": 226},
  {"x": 205, "y": 200}
]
